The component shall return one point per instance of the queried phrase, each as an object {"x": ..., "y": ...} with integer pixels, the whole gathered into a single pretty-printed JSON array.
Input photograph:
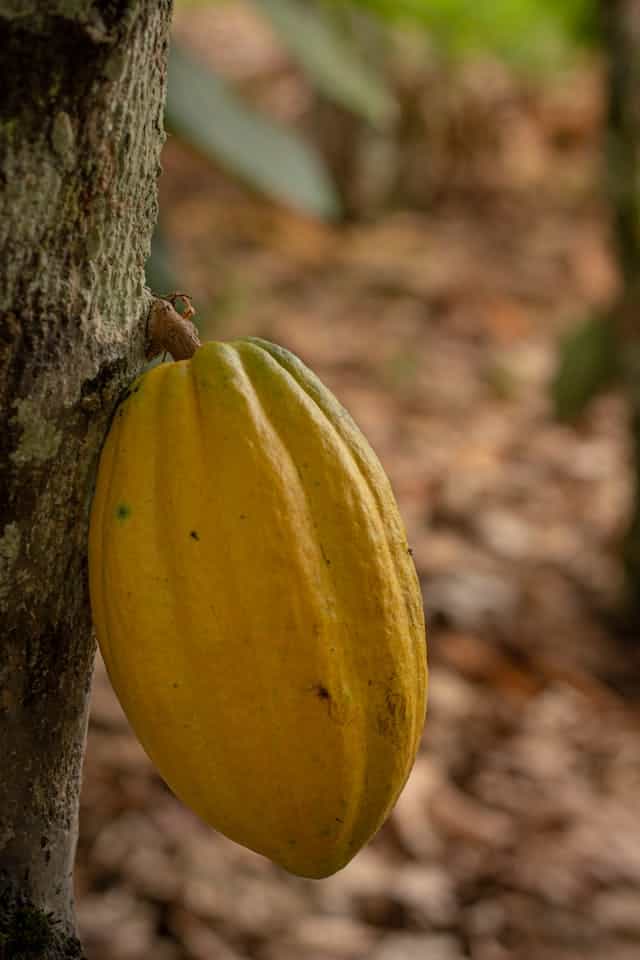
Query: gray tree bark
[{"x": 83, "y": 85}]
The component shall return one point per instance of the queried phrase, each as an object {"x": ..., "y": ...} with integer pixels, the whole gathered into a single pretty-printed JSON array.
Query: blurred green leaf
[
  {"x": 206, "y": 113},
  {"x": 588, "y": 363},
  {"x": 539, "y": 32},
  {"x": 322, "y": 47}
]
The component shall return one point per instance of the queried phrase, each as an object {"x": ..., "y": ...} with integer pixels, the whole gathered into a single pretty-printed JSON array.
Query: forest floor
[{"x": 435, "y": 321}]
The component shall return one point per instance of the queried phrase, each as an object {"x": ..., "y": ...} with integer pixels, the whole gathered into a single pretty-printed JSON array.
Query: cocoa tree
[{"x": 83, "y": 86}]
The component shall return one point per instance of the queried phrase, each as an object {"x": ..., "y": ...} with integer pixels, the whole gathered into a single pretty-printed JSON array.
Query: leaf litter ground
[{"x": 435, "y": 322}]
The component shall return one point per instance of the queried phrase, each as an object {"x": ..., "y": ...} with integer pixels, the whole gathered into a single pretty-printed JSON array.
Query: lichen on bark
[
  {"x": 27, "y": 931},
  {"x": 80, "y": 135}
]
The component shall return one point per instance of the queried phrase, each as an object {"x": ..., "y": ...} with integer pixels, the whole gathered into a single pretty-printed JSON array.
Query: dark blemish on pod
[
  {"x": 383, "y": 726},
  {"x": 395, "y": 704},
  {"x": 194, "y": 535},
  {"x": 123, "y": 512},
  {"x": 321, "y": 691}
]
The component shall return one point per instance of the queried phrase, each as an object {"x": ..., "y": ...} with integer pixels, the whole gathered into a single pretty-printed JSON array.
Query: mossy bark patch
[
  {"x": 39, "y": 439},
  {"x": 28, "y": 933},
  {"x": 9, "y": 550}
]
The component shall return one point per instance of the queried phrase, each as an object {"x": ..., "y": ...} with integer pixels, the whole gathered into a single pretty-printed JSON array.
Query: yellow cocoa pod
[{"x": 256, "y": 604}]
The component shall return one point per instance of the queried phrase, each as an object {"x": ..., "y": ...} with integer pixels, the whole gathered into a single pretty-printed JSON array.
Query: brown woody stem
[{"x": 168, "y": 331}]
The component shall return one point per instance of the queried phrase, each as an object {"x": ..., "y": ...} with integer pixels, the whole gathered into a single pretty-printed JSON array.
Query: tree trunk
[
  {"x": 83, "y": 87},
  {"x": 621, "y": 21}
]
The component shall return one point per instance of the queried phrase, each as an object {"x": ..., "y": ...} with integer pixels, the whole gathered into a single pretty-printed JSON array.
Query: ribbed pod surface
[{"x": 256, "y": 604}]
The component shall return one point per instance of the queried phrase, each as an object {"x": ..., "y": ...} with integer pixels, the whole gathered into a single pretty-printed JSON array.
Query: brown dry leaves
[{"x": 517, "y": 836}]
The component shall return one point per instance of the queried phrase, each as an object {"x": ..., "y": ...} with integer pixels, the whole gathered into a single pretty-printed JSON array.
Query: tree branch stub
[{"x": 168, "y": 331}]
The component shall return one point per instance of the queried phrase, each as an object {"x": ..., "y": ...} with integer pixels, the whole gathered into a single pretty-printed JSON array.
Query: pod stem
[{"x": 170, "y": 332}]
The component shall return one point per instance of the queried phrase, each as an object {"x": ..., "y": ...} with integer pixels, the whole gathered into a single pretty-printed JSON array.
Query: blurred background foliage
[
  {"x": 540, "y": 33},
  {"x": 434, "y": 205},
  {"x": 344, "y": 48},
  {"x": 340, "y": 45}
]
